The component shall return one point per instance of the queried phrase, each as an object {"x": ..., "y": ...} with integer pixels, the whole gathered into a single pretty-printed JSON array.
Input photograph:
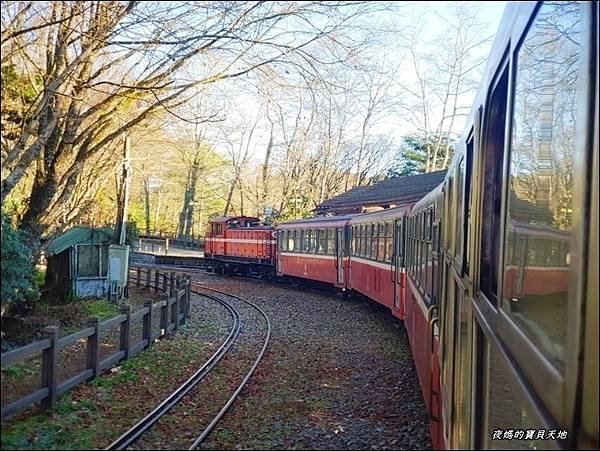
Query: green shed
[{"x": 78, "y": 262}]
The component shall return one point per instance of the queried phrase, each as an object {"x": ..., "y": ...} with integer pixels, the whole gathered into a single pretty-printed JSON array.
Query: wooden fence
[{"x": 173, "y": 313}]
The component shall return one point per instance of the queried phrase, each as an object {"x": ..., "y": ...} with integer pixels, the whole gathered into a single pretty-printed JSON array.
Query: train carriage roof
[
  {"x": 382, "y": 215},
  {"x": 319, "y": 221}
]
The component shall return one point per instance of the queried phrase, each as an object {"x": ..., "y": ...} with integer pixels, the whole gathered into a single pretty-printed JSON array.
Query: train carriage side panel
[{"x": 314, "y": 249}]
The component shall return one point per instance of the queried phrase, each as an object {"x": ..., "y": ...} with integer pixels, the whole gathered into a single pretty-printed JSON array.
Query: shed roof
[
  {"x": 79, "y": 235},
  {"x": 398, "y": 191}
]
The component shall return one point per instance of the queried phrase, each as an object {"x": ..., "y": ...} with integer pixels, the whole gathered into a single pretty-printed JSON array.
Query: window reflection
[
  {"x": 540, "y": 196},
  {"x": 507, "y": 411}
]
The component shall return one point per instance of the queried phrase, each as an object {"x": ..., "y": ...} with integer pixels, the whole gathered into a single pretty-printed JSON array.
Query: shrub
[{"x": 17, "y": 266}]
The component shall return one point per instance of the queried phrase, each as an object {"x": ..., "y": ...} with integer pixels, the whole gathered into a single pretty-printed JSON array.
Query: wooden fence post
[
  {"x": 125, "y": 326},
  {"x": 50, "y": 367},
  {"x": 147, "y": 323},
  {"x": 172, "y": 281},
  {"x": 165, "y": 277},
  {"x": 174, "y": 310},
  {"x": 156, "y": 281},
  {"x": 188, "y": 287},
  {"x": 148, "y": 275},
  {"x": 164, "y": 318},
  {"x": 93, "y": 347},
  {"x": 138, "y": 276}
]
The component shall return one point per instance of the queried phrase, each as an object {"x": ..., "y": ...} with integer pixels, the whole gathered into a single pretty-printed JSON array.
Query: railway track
[{"x": 137, "y": 431}]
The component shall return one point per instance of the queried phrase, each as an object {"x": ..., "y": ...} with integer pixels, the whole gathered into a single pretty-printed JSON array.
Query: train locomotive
[{"x": 495, "y": 272}]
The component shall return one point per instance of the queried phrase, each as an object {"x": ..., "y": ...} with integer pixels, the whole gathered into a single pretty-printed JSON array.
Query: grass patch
[
  {"x": 63, "y": 432},
  {"x": 100, "y": 308}
]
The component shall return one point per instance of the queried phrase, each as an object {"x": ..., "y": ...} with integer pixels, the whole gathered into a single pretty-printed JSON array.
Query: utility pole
[{"x": 123, "y": 200}]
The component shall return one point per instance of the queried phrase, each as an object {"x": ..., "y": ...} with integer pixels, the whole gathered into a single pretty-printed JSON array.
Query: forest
[{"x": 253, "y": 108}]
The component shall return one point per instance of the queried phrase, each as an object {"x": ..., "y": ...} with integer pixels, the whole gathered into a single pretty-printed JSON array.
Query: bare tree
[{"x": 108, "y": 67}]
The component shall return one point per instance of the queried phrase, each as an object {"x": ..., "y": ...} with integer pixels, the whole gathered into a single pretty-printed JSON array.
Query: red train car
[
  {"x": 240, "y": 244},
  {"x": 315, "y": 248},
  {"x": 422, "y": 291},
  {"x": 377, "y": 257}
]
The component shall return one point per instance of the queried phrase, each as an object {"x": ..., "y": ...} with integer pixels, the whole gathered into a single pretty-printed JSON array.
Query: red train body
[
  {"x": 315, "y": 249},
  {"x": 496, "y": 282},
  {"x": 240, "y": 244}
]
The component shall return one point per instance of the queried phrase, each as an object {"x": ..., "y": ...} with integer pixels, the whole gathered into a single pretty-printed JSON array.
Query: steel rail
[
  {"x": 133, "y": 434},
  {"x": 227, "y": 405}
]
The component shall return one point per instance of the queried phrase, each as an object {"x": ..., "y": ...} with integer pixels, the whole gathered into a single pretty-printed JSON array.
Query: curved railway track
[{"x": 136, "y": 432}]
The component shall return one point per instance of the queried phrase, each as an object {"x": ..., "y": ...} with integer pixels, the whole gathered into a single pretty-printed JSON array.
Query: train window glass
[
  {"x": 303, "y": 240},
  {"x": 311, "y": 246},
  {"x": 280, "y": 240},
  {"x": 331, "y": 241},
  {"x": 467, "y": 204},
  {"x": 352, "y": 240},
  {"x": 429, "y": 276},
  {"x": 380, "y": 241},
  {"x": 360, "y": 241},
  {"x": 459, "y": 228},
  {"x": 389, "y": 241},
  {"x": 540, "y": 185},
  {"x": 322, "y": 246},
  {"x": 492, "y": 187},
  {"x": 374, "y": 241},
  {"x": 508, "y": 410},
  {"x": 366, "y": 241},
  {"x": 448, "y": 223}
]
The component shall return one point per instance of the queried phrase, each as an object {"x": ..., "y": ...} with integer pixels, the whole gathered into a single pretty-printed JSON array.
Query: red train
[{"x": 494, "y": 272}]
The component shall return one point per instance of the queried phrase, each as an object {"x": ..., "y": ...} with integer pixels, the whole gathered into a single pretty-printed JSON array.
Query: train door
[
  {"x": 398, "y": 263},
  {"x": 339, "y": 246}
]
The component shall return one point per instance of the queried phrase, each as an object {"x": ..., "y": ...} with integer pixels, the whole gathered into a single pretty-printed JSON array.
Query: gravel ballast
[{"x": 338, "y": 374}]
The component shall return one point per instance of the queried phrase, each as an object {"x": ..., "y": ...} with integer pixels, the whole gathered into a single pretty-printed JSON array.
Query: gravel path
[{"x": 338, "y": 374}]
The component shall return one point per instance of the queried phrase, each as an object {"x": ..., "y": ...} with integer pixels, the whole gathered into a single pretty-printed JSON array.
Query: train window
[
  {"x": 389, "y": 241},
  {"x": 331, "y": 241},
  {"x": 322, "y": 241},
  {"x": 428, "y": 220},
  {"x": 352, "y": 240},
  {"x": 367, "y": 250},
  {"x": 539, "y": 223},
  {"x": 448, "y": 223},
  {"x": 507, "y": 409},
  {"x": 280, "y": 240},
  {"x": 374, "y": 241},
  {"x": 303, "y": 241},
  {"x": 311, "y": 241},
  {"x": 493, "y": 156},
  {"x": 380, "y": 241},
  {"x": 459, "y": 228},
  {"x": 308, "y": 240},
  {"x": 467, "y": 205}
]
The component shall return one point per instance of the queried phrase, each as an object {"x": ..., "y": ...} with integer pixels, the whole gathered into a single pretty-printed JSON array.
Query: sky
[{"x": 489, "y": 13}]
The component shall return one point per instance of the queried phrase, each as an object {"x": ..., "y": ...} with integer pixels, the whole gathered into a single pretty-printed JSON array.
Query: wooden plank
[
  {"x": 75, "y": 380},
  {"x": 50, "y": 367},
  {"x": 159, "y": 304},
  {"x": 147, "y": 323},
  {"x": 112, "y": 359},
  {"x": 73, "y": 338},
  {"x": 19, "y": 354},
  {"x": 139, "y": 313},
  {"x": 138, "y": 347},
  {"x": 24, "y": 402},
  {"x": 93, "y": 347},
  {"x": 125, "y": 330},
  {"x": 113, "y": 321}
]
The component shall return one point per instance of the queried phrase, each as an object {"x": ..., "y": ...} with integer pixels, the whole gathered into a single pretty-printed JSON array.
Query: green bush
[{"x": 17, "y": 266}]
